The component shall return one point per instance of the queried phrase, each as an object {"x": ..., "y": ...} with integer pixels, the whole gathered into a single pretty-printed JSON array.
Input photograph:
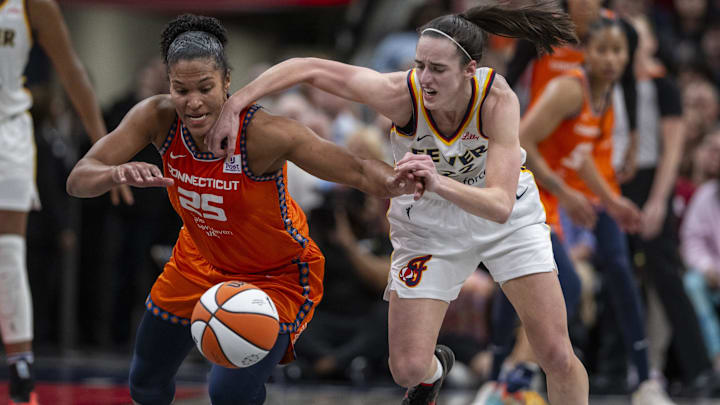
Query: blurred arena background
[{"x": 91, "y": 263}]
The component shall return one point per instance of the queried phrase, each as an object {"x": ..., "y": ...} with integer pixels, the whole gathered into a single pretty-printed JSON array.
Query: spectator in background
[
  {"x": 660, "y": 140},
  {"x": 711, "y": 50},
  {"x": 701, "y": 107},
  {"x": 396, "y": 51},
  {"x": 701, "y": 110},
  {"x": 700, "y": 243},
  {"x": 680, "y": 32}
]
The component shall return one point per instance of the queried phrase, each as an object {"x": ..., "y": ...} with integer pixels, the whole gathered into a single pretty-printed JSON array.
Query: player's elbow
[
  {"x": 503, "y": 211},
  {"x": 71, "y": 186},
  {"x": 75, "y": 185}
]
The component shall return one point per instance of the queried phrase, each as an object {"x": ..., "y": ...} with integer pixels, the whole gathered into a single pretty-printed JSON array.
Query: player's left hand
[
  {"x": 653, "y": 217},
  {"x": 421, "y": 169}
]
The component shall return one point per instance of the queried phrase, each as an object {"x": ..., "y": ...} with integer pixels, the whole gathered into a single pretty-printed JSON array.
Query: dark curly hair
[{"x": 192, "y": 36}]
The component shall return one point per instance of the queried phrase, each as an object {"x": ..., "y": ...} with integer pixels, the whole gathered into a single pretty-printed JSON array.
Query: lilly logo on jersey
[
  {"x": 412, "y": 273},
  {"x": 233, "y": 164},
  {"x": 469, "y": 136}
]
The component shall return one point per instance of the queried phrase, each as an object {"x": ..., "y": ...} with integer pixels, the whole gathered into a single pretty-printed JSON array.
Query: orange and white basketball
[{"x": 234, "y": 324}]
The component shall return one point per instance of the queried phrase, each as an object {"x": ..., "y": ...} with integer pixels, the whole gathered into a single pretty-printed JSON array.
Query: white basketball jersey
[
  {"x": 460, "y": 155},
  {"x": 15, "y": 44}
]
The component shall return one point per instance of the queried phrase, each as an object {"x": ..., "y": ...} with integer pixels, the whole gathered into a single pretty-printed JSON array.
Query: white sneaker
[{"x": 651, "y": 393}]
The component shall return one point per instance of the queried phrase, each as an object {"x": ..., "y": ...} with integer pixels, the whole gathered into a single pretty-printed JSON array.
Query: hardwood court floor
[{"x": 101, "y": 379}]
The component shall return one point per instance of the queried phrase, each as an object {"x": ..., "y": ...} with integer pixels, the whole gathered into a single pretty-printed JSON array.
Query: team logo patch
[
  {"x": 412, "y": 273},
  {"x": 233, "y": 164}
]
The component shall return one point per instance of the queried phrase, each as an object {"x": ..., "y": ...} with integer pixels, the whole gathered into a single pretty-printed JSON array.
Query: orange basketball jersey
[
  {"x": 566, "y": 147},
  {"x": 549, "y": 66},
  {"x": 237, "y": 225}
]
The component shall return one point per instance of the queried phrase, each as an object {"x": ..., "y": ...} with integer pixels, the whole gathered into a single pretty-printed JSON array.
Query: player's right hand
[
  {"x": 140, "y": 174},
  {"x": 578, "y": 207},
  {"x": 626, "y": 214}
]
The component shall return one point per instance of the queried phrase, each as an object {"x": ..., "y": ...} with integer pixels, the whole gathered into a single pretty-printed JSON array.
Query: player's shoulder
[
  {"x": 271, "y": 124},
  {"x": 158, "y": 108},
  {"x": 500, "y": 94},
  {"x": 565, "y": 89},
  {"x": 154, "y": 114}
]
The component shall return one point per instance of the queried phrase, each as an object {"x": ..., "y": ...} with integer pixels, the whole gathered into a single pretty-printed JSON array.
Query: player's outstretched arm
[
  {"x": 282, "y": 139},
  {"x": 386, "y": 93},
  {"x": 106, "y": 164},
  {"x": 52, "y": 34}
]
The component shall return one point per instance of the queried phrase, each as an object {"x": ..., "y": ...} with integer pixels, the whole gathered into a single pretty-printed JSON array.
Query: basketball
[{"x": 234, "y": 324}]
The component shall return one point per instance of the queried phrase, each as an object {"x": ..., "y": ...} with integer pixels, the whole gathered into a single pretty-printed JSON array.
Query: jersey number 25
[{"x": 200, "y": 204}]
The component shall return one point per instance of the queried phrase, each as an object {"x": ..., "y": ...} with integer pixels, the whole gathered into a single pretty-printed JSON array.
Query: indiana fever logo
[{"x": 412, "y": 273}]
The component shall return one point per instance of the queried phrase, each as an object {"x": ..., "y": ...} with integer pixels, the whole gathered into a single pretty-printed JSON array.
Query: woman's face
[
  {"x": 710, "y": 157},
  {"x": 606, "y": 54},
  {"x": 442, "y": 77},
  {"x": 198, "y": 89}
]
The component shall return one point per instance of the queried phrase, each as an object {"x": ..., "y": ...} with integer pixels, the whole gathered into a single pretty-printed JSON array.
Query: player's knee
[
  {"x": 149, "y": 395},
  {"x": 556, "y": 357},
  {"x": 147, "y": 391},
  {"x": 408, "y": 371}
]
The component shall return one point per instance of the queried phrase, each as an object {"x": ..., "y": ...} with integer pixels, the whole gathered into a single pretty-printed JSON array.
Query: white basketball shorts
[
  {"x": 18, "y": 191},
  {"x": 437, "y": 245}
]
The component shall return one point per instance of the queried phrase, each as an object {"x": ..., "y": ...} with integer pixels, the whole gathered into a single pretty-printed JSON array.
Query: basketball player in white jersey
[
  {"x": 21, "y": 23},
  {"x": 456, "y": 127}
]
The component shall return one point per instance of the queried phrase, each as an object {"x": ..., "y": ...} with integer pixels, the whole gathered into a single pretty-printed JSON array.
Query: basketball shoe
[
  {"x": 520, "y": 377},
  {"x": 650, "y": 393},
  {"x": 22, "y": 383},
  {"x": 426, "y": 394}
]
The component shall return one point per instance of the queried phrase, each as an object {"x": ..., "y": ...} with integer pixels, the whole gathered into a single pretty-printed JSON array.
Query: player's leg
[
  {"x": 414, "y": 325},
  {"x": 16, "y": 322},
  {"x": 538, "y": 300},
  {"x": 160, "y": 348},
  {"x": 416, "y": 361},
  {"x": 614, "y": 262},
  {"x": 18, "y": 196},
  {"x": 504, "y": 317},
  {"x": 246, "y": 386}
]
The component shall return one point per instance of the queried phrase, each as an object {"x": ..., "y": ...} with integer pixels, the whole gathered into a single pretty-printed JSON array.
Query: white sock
[
  {"x": 15, "y": 301},
  {"x": 438, "y": 372}
]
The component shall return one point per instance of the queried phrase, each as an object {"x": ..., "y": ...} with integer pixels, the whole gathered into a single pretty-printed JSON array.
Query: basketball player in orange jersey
[
  {"x": 456, "y": 128},
  {"x": 567, "y": 137},
  {"x": 239, "y": 221},
  {"x": 21, "y": 23}
]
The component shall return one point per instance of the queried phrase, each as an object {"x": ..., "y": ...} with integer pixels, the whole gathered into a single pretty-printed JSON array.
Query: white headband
[{"x": 448, "y": 37}]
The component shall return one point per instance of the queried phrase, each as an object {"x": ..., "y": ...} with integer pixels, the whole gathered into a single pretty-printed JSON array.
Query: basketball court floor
[{"x": 100, "y": 379}]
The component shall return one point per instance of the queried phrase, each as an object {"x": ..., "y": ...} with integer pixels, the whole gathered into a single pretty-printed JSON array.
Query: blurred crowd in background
[{"x": 98, "y": 258}]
